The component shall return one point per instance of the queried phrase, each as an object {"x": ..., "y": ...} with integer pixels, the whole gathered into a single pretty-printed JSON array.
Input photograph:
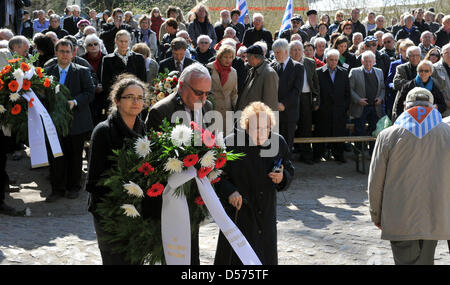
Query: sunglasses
[
  {"x": 371, "y": 45},
  {"x": 424, "y": 71},
  {"x": 198, "y": 92},
  {"x": 435, "y": 54},
  {"x": 92, "y": 45}
]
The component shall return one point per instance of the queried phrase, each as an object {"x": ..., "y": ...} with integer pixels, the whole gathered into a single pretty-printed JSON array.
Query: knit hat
[
  {"x": 419, "y": 94},
  {"x": 81, "y": 22}
]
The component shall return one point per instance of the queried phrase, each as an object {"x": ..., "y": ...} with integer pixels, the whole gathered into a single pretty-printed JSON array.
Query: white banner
[
  {"x": 175, "y": 222},
  {"x": 36, "y": 136}
]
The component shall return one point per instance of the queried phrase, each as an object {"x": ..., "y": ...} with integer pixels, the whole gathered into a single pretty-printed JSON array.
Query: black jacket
[
  {"x": 257, "y": 217},
  {"x": 70, "y": 25},
  {"x": 359, "y": 27},
  {"x": 112, "y": 66},
  {"x": 204, "y": 58},
  {"x": 422, "y": 26},
  {"x": 334, "y": 102},
  {"x": 414, "y": 35},
  {"x": 251, "y": 36},
  {"x": 437, "y": 95},
  {"x": 169, "y": 63},
  {"x": 80, "y": 61},
  {"x": 350, "y": 59},
  {"x": 288, "y": 33},
  {"x": 60, "y": 33},
  {"x": 373, "y": 31},
  {"x": 82, "y": 89},
  {"x": 240, "y": 30},
  {"x": 442, "y": 37},
  {"x": 106, "y": 137},
  {"x": 290, "y": 84},
  {"x": 219, "y": 29}
]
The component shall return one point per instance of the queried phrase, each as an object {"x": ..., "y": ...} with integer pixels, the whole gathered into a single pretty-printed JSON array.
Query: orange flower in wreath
[
  {"x": 16, "y": 109},
  {"x": 6, "y": 69},
  {"x": 47, "y": 83},
  {"x": 13, "y": 86},
  {"x": 1, "y": 84},
  {"x": 14, "y": 60},
  {"x": 26, "y": 85},
  {"x": 24, "y": 66},
  {"x": 30, "y": 103},
  {"x": 39, "y": 72}
]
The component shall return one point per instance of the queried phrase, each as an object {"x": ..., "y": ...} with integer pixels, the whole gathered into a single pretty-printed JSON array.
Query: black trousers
[
  {"x": 287, "y": 130},
  {"x": 65, "y": 171},
  {"x": 3, "y": 175},
  {"x": 304, "y": 125}
]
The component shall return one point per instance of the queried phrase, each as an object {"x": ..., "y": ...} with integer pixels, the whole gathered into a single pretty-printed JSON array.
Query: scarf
[
  {"x": 145, "y": 36},
  {"x": 408, "y": 30},
  {"x": 428, "y": 86},
  {"x": 223, "y": 71},
  {"x": 124, "y": 58},
  {"x": 419, "y": 120},
  {"x": 94, "y": 62}
]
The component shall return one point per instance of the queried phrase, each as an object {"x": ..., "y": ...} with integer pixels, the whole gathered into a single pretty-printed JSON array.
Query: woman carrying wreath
[
  {"x": 249, "y": 185},
  {"x": 127, "y": 97}
]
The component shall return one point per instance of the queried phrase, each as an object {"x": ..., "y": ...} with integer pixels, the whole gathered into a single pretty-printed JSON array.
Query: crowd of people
[{"x": 319, "y": 73}]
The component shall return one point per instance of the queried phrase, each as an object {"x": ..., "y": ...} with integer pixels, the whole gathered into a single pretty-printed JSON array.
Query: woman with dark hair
[
  {"x": 127, "y": 100},
  {"x": 323, "y": 33},
  {"x": 105, "y": 16},
  {"x": 202, "y": 25},
  {"x": 347, "y": 30},
  {"x": 46, "y": 49},
  {"x": 433, "y": 55},
  {"x": 156, "y": 21},
  {"x": 346, "y": 59}
]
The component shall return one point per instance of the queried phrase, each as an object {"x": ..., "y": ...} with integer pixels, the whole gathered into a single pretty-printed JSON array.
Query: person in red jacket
[
  {"x": 308, "y": 49},
  {"x": 156, "y": 20}
]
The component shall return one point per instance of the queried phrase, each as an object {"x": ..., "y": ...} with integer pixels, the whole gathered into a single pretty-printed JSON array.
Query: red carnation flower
[
  {"x": 156, "y": 190},
  {"x": 6, "y": 69},
  {"x": 220, "y": 162},
  {"x": 208, "y": 139},
  {"x": 196, "y": 127},
  {"x": 47, "y": 83},
  {"x": 14, "y": 60},
  {"x": 1, "y": 84},
  {"x": 215, "y": 180},
  {"x": 16, "y": 109},
  {"x": 146, "y": 168},
  {"x": 26, "y": 85},
  {"x": 13, "y": 86},
  {"x": 202, "y": 172},
  {"x": 190, "y": 160},
  {"x": 25, "y": 67},
  {"x": 39, "y": 72},
  {"x": 199, "y": 201}
]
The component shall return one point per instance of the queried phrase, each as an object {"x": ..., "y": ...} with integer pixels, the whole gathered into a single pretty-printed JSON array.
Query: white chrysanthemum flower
[
  {"x": 14, "y": 97},
  {"x": 220, "y": 141},
  {"x": 208, "y": 159},
  {"x": 167, "y": 85},
  {"x": 18, "y": 74},
  {"x": 173, "y": 165},
  {"x": 214, "y": 174},
  {"x": 130, "y": 210},
  {"x": 169, "y": 90},
  {"x": 142, "y": 147},
  {"x": 181, "y": 135},
  {"x": 2, "y": 109},
  {"x": 57, "y": 89},
  {"x": 133, "y": 189}
]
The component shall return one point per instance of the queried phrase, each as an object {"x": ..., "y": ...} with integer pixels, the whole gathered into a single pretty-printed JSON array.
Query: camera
[{"x": 277, "y": 166}]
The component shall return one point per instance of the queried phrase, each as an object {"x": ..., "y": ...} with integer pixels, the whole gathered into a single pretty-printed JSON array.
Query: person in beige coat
[
  {"x": 409, "y": 189},
  {"x": 224, "y": 85},
  {"x": 261, "y": 83}
]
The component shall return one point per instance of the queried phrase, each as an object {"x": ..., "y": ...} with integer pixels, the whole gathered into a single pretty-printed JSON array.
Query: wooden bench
[{"x": 361, "y": 139}]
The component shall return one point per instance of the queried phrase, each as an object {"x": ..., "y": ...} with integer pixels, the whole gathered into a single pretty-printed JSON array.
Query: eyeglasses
[
  {"x": 198, "y": 92},
  {"x": 204, "y": 43},
  {"x": 424, "y": 71},
  {"x": 138, "y": 98},
  {"x": 435, "y": 54},
  {"x": 92, "y": 45}
]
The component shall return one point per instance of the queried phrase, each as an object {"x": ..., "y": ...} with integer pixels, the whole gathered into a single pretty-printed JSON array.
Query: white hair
[
  {"x": 296, "y": 44},
  {"x": 358, "y": 34},
  {"x": 263, "y": 45},
  {"x": 379, "y": 17},
  {"x": 360, "y": 47},
  {"x": 128, "y": 13},
  {"x": 280, "y": 44},
  {"x": 182, "y": 32},
  {"x": 196, "y": 70},
  {"x": 8, "y": 33},
  {"x": 426, "y": 33},
  {"x": 320, "y": 40},
  {"x": 409, "y": 17},
  {"x": 92, "y": 38},
  {"x": 258, "y": 15},
  {"x": 229, "y": 42},
  {"x": 412, "y": 49},
  {"x": 224, "y": 11},
  {"x": 3, "y": 44},
  {"x": 378, "y": 33},
  {"x": 367, "y": 54},
  {"x": 446, "y": 17},
  {"x": 332, "y": 52},
  {"x": 447, "y": 46},
  {"x": 240, "y": 51},
  {"x": 202, "y": 37},
  {"x": 388, "y": 35},
  {"x": 75, "y": 8},
  {"x": 90, "y": 28},
  {"x": 425, "y": 62},
  {"x": 229, "y": 29}
]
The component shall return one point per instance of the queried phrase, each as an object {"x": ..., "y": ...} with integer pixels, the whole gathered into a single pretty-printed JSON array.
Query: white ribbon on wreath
[{"x": 175, "y": 222}]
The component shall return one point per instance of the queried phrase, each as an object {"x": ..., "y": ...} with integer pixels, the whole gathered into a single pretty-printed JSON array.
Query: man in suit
[
  {"x": 190, "y": 104},
  {"x": 261, "y": 83},
  {"x": 334, "y": 103},
  {"x": 70, "y": 23},
  {"x": 178, "y": 61},
  {"x": 290, "y": 83},
  {"x": 383, "y": 61},
  {"x": 65, "y": 171},
  {"x": 309, "y": 99},
  {"x": 368, "y": 90}
]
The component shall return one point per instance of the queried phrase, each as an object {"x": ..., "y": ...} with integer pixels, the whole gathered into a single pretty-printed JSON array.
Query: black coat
[
  {"x": 414, "y": 35},
  {"x": 422, "y": 26},
  {"x": 442, "y": 37},
  {"x": 373, "y": 31},
  {"x": 70, "y": 26},
  {"x": 80, "y": 61},
  {"x": 290, "y": 84},
  {"x": 109, "y": 33},
  {"x": 287, "y": 34},
  {"x": 82, "y": 89},
  {"x": 169, "y": 63},
  {"x": 219, "y": 29},
  {"x": 112, "y": 66},
  {"x": 251, "y": 36},
  {"x": 60, "y": 33},
  {"x": 257, "y": 217},
  {"x": 334, "y": 102},
  {"x": 106, "y": 137},
  {"x": 437, "y": 95},
  {"x": 350, "y": 59},
  {"x": 204, "y": 57}
]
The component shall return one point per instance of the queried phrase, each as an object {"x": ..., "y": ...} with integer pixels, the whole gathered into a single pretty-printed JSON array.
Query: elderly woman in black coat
[
  {"x": 249, "y": 185},
  {"x": 127, "y": 97}
]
